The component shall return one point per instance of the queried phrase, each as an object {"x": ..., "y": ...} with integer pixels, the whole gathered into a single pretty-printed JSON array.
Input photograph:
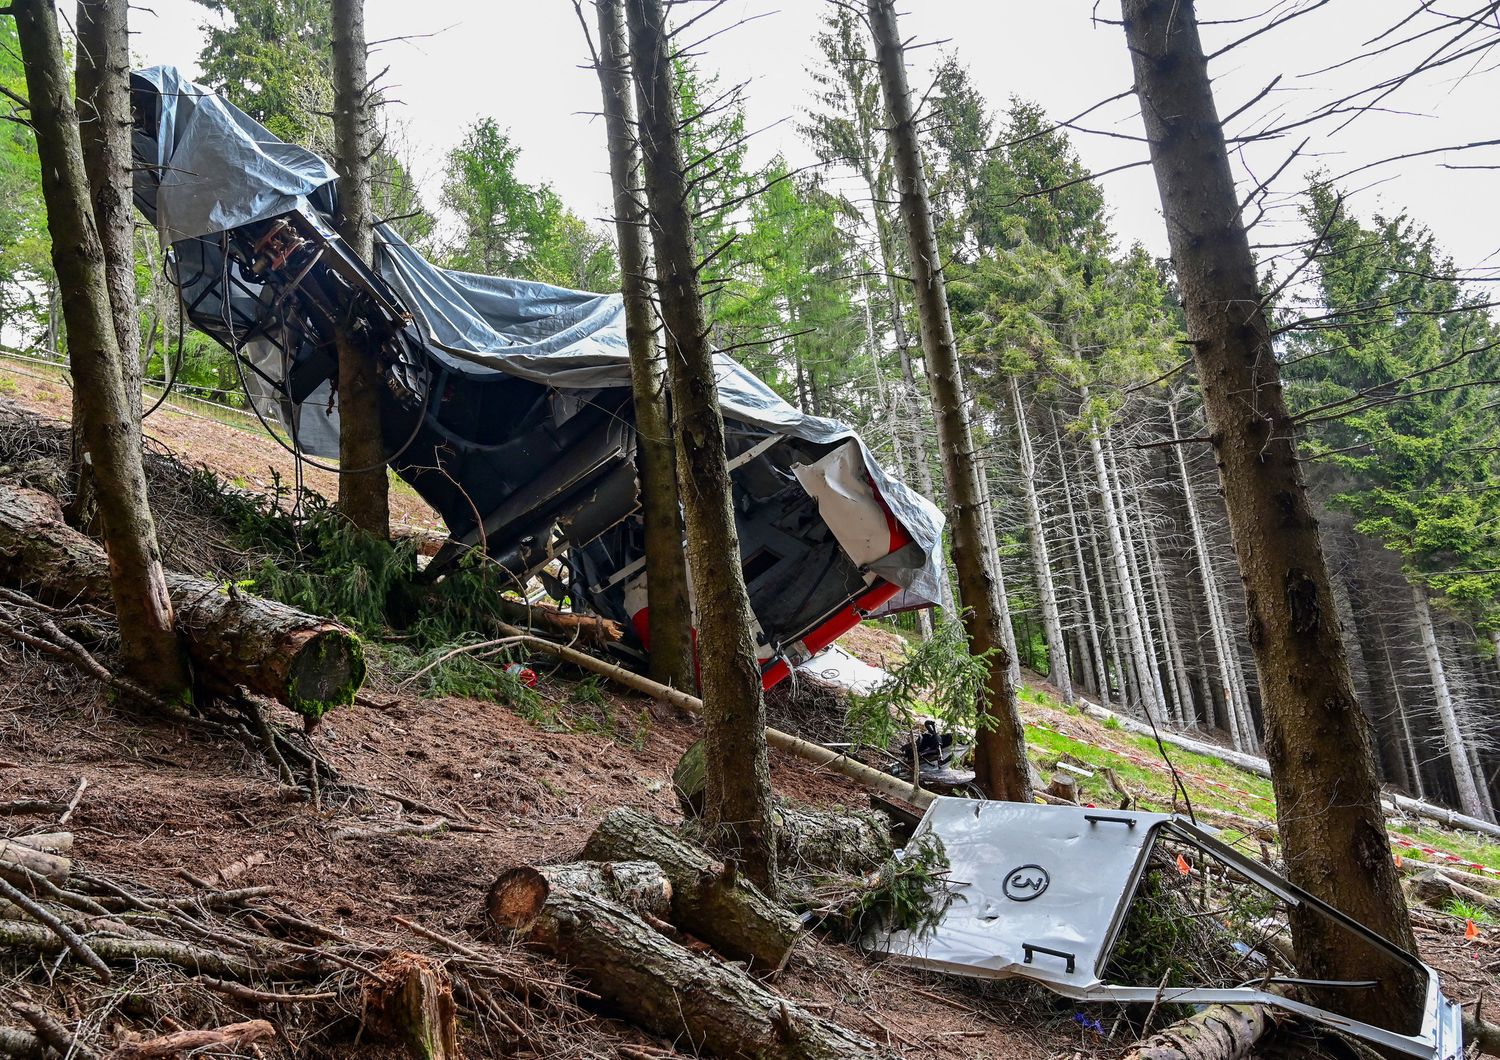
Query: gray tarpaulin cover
[{"x": 220, "y": 169}]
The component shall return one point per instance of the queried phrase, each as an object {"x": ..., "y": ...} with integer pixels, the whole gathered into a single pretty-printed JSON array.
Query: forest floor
[{"x": 164, "y": 805}]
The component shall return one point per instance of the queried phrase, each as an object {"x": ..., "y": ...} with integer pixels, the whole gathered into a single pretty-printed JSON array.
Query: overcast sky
[{"x": 519, "y": 61}]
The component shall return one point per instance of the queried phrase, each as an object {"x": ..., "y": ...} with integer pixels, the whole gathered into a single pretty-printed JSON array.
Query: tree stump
[
  {"x": 709, "y": 900},
  {"x": 410, "y": 1000},
  {"x": 1063, "y": 787}
]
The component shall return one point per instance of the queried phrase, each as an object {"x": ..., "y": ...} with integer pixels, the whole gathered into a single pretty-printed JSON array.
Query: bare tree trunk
[
  {"x": 1414, "y": 765},
  {"x": 1218, "y": 629},
  {"x": 1138, "y": 591},
  {"x": 1101, "y": 667},
  {"x": 1453, "y": 737},
  {"x": 1182, "y": 697},
  {"x": 1317, "y": 738},
  {"x": 1002, "y": 595},
  {"x": 1000, "y": 754},
  {"x": 151, "y": 652},
  {"x": 1140, "y": 664},
  {"x": 1057, "y": 651},
  {"x": 1116, "y": 643},
  {"x": 669, "y": 618},
  {"x": 364, "y": 486},
  {"x": 737, "y": 802},
  {"x": 102, "y": 78}
]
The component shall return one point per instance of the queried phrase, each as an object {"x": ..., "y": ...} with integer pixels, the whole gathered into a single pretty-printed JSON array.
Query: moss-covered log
[
  {"x": 709, "y": 900},
  {"x": 234, "y": 639},
  {"x": 714, "y": 1008}
]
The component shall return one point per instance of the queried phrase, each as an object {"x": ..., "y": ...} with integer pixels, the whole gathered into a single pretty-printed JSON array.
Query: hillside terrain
[{"x": 455, "y": 789}]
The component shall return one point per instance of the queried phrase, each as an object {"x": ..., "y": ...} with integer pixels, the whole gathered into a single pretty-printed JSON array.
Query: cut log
[
  {"x": 410, "y": 1000},
  {"x": 47, "y": 842},
  {"x": 1218, "y": 1032},
  {"x": 709, "y": 900},
  {"x": 517, "y": 896},
  {"x": 1436, "y": 888},
  {"x": 53, "y": 866},
  {"x": 715, "y": 1008},
  {"x": 230, "y": 1037},
  {"x": 234, "y": 639}
]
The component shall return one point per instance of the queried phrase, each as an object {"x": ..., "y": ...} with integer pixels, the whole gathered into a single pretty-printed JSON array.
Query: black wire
[{"x": 296, "y": 448}]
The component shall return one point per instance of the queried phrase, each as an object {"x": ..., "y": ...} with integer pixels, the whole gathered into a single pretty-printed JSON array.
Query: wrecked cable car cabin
[{"x": 506, "y": 403}]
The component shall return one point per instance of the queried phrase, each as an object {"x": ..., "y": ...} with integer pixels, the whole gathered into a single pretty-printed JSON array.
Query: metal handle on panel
[{"x": 1031, "y": 949}]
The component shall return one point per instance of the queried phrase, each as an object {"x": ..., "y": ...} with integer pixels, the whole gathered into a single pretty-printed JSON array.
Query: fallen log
[
  {"x": 518, "y": 894},
  {"x": 709, "y": 899},
  {"x": 54, "y": 867},
  {"x": 683, "y": 996},
  {"x": 16, "y": 1044},
  {"x": 1218, "y": 1032},
  {"x": 233, "y": 639},
  {"x": 1437, "y": 888},
  {"x": 229, "y": 1037},
  {"x": 47, "y": 842}
]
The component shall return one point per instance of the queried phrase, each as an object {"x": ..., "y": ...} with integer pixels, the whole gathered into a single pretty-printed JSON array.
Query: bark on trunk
[
  {"x": 669, "y": 619},
  {"x": 364, "y": 486},
  {"x": 1317, "y": 739},
  {"x": 234, "y": 639},
  {"x": 709, "y": 898},
  {"x": 1453, "y": 737},
  {"x": 662, "y": 986},
  {"x": 1002, "y": 594},
  {"x": 1000, "y": 751},
  {"x": 1057, "y": 652},
  {"x": 103, "y": 87},
  {"x": 738, "y": 804},
  {"x": 1218, "y": 1032},
  {"x": 109, "y": 419}
]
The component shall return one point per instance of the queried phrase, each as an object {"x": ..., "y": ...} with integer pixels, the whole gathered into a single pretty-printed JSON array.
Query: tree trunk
[
  {"x": 1081, "y": 573},
  {"x": 668, "y": 618},
  {"x": 1317, "y": 739},
  {"x": 1218, "y": 629},
  {"x": 234, "y": 639},
  {"x": 664, "y": 987},
  {"x": 1057, "y": 652},
  {"x": 102, "y": 79},
  {"x": 1138, "y": 587},
  {"x": 738, "y": 804},
  {"x": 1000, "y": 751},
  {"x": 1140, "y": 664},
  {"x": 709, "y": 899},
  {"x": 364, "y": 485},
  {"x": 1002, "y": 594},
  {"x": 109, "y": 419},
  {"x": 1453, "y": 737},
  {"x": 1181, "y": 696}
]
